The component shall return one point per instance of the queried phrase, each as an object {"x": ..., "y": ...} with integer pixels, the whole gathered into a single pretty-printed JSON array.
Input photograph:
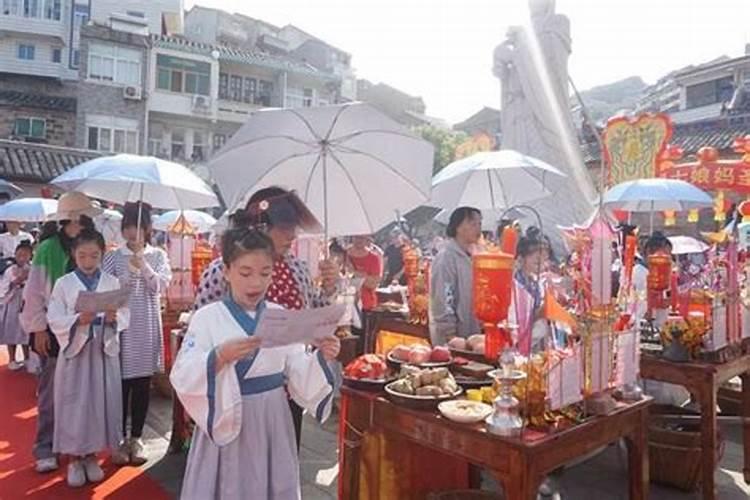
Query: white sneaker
[
  {"x": 15, "y": 366},
  {"x": 76, "y": 474},
  {"x": 137, "y": 453},
  {"x": 46, "y": 465},
  {"x": 94, "y": 473},
  {"x": 121, "y": 456}
]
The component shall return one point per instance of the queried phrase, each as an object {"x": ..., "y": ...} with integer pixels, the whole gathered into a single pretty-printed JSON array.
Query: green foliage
[{"x": 445, "y": 142}]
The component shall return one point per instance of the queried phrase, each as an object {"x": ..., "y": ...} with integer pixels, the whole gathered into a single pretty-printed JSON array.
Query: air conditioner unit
[
  {"x": 201, "y": 103},
  {"x": 132, "y": 92}
]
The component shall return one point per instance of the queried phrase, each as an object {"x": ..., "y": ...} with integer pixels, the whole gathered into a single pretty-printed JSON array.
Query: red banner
[{"x": 731, "y": 176}]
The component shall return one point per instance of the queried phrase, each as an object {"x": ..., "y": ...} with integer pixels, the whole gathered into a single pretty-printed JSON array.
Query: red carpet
[{"x": 18, "y": 480}]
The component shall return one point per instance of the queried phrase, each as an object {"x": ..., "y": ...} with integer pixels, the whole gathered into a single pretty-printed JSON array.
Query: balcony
[
  {"x": 236, "y": 112},
  {"x": 174, "y": 103},
  {"x": 35, "y": 27}
]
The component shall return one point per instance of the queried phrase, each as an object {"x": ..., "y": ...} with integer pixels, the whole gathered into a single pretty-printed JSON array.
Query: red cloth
[
  {"x": 371, "y": 265},
  {"x": 284, "y": 289}
]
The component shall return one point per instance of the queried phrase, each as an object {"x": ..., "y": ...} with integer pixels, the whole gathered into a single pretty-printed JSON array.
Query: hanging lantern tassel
[
  {"x": 720, "y": 214},
  {"x": 669, "y": 218},
  {"x": 693, "y": 215}
]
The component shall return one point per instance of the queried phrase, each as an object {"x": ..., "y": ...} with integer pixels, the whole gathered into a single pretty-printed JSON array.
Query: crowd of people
[{"x": 95, "y": 368}]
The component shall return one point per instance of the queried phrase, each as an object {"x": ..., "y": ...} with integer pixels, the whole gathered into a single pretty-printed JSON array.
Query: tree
[{"x": 445, "y": 142}]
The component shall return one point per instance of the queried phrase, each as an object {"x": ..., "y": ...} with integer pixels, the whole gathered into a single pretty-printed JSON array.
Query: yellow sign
[{"x": 632, "y": 146}]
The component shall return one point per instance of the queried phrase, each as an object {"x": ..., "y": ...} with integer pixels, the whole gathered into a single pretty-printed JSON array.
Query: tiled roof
[
  {"x": 720, "y": 138},
  {"x": 256, "y": 58},
  {"x": 15, "y": 98},
  {"x": 39, "y": 163}
]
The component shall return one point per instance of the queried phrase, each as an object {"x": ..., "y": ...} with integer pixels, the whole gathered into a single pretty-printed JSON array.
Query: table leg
[
  {"x": 708, "y": 400},
  {"x": 522, "y": 485},
  {"x": 638, "y": 471},
  {"x": 746, "y": 424}
]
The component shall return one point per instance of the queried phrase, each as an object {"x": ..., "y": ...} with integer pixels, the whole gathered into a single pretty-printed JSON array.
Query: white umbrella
[
  {"x": 201, "y": 221},
  {"x": 109, "y": 224},
  {"x": 352, "y": 166},
  {"x": 27, "y": 210},
  {"x": 494, "y": 180},
  {"x": 687, "y": 244},
  {"x": 490, "y": 217},
  {"x": 655, "y": 195},
  {"x": 128, "y": 178}
]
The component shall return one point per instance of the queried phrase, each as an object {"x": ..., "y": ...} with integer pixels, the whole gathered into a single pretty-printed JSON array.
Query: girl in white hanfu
[
  {"x": 88, "y": 390},
  {"x": 244, "y": 444}
]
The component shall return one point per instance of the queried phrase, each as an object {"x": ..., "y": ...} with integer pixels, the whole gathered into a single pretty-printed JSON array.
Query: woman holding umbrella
[
  {"x": 281, "y": 214},
  {"x": 146, "y": 271}
]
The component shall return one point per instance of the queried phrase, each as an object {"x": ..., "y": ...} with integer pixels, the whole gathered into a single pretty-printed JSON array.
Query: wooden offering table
[
  {"x": 703, "y": 380},
  {"x": 388, "y": 451}
]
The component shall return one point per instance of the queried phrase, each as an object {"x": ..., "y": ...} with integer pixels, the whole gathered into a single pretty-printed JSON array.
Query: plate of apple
[{"x": 420, "y": 355}]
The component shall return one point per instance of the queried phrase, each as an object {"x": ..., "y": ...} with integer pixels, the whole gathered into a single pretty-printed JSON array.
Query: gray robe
[{"x": 88, "y": 388}]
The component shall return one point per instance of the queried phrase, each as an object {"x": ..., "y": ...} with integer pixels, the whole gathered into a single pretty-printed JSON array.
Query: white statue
[{"x": 532, "y": 65}]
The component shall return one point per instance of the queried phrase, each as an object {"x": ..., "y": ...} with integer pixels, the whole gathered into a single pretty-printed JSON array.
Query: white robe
[
  {"x": 244, "y": 444},
  {"x": 88, "y": 388}
]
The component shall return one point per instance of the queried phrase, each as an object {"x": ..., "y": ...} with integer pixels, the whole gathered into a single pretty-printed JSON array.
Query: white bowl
[{"x": 452, "y": 410}]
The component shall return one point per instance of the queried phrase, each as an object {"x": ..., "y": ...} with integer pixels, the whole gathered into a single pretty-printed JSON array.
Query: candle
[{"x": 673, "y": 291}]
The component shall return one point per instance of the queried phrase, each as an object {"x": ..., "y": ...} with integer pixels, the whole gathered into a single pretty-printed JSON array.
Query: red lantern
[
  {"x": 659, "y": 276},
  {"x": 492, "y": 280},
  {"x": 508, "y": 240}
]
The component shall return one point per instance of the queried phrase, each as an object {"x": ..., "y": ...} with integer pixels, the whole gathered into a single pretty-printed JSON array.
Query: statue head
[{"x": 541, "y": 8}]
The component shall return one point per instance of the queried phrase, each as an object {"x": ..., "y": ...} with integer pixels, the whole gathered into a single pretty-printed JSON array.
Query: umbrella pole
[
  {"x": 140, "y": 213},
  {"x": 325, "y": 204}
]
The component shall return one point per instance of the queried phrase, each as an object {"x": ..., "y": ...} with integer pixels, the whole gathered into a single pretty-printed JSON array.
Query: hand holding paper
[
  {"x": 96, "y": 302},
  {"x": 279, "y": 327}
]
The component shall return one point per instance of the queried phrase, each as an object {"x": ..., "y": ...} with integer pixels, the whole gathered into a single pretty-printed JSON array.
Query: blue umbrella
[{"x": 655, "y": 195}]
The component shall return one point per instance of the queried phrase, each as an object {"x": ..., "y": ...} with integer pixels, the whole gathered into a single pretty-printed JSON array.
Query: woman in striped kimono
[{"x": 146, "y": 271}]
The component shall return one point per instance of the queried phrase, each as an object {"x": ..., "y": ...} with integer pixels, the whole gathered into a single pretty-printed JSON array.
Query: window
[
  {"x": 713, "y": 92},
  {"x": 113, "y": 140},
  {"x": 265, "y": 89},
  {"x": 299, "y": 98},
  {"x": 235, "y": 88},
  {"x": 155, "y": 141},
  {"x": 136, "y": 13},
  {"x": 178, "y": 144},
  {"x": 30, "y": 127},
  {"x": 56, "y": 55},
  {"x": 53, "y": 9},
  {"x": 223, "y": 86},
  {"x": 183, "y": 75},
  {"x": 248, "y": 93},
  {"x": 219, "y": 141},
  {"x": 198, "y": 146},
  {"x": 114, "y": 64},
  {"x": 76, "y": 58},
  {"x": 26, "y": 52}
]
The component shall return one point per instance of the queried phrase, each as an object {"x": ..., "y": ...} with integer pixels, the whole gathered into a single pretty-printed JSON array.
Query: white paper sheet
[
  {"x": 719, "y": 331},
  {"x": 565, "y": 381},
  {"x": 627, "y": 358},
  {"x": 279, "y": 327},
  {"x": 601, "y": 363},
  {"x": 96, "y": 302}
]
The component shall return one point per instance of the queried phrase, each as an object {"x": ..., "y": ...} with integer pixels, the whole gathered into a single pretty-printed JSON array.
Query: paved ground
[{"x": 601, "y": 477}]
